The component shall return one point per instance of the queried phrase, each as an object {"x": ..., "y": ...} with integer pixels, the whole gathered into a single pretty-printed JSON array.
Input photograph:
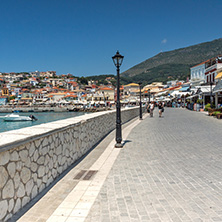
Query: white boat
[{"x": 15, "y": 117}]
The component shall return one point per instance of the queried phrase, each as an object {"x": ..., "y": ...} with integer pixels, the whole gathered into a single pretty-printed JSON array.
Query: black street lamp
[
  {"x": 211, "y": 95},
  {"x": 118, "y": 59},
  {"x": 149, "y": 95},
  {"x": 141, "y": 115}
]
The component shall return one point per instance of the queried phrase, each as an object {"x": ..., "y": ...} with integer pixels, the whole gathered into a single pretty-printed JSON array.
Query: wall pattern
[{"x": 28, "y": 167}]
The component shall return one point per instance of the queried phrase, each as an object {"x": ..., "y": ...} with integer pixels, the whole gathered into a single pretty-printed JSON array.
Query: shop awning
[
  {"x": 219, "y": 75},
  {"x": 190, "y": 97},
  {"x": 218, "y": 87},
  {"x": 184, "y": 89}
]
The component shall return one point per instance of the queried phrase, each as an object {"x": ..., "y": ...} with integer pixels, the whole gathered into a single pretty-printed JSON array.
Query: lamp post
[
  {"x": 141, "y": 115},
  {"x": 211, "y": 95},
  {"x": 118, "y": 59},
  {"x": 149, "y": 95}
]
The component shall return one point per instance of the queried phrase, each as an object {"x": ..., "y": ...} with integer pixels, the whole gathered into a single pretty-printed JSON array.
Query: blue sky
[{"x": 81, "y": 36}]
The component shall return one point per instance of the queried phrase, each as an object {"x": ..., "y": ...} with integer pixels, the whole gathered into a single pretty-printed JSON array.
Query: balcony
[{"x": 210, "y": 67}]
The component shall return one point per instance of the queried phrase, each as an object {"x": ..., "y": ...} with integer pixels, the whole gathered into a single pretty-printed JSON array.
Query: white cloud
[{"x": 164, "y": 41}]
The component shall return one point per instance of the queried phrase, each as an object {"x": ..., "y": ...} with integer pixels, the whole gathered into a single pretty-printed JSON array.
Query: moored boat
[{"x": 15, "y": 117}]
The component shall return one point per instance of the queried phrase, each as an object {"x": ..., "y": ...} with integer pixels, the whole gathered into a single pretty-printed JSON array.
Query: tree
[
  {"x": 83, "y": 80},
  {"x": 11, "y": 97},
  {"x": 113, "y": 81}
]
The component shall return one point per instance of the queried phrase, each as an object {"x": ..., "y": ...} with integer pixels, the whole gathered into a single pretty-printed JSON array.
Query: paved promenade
[{"x": 170, "y": 169}]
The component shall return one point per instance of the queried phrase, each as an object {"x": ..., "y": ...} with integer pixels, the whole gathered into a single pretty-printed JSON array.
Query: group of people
[{"x": 151, "y": 107}]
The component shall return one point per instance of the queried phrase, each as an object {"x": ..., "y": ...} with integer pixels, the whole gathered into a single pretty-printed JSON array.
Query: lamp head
[{"x": 118, "y": 59}]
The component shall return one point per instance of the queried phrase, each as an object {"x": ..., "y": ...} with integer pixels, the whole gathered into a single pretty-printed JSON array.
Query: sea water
[{"x": 43, "y": 117}]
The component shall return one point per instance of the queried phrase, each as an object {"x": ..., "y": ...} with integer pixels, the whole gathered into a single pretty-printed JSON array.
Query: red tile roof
[
  {"x": 200, "y": 63},
  {"x": 72, "y": 96},
  {"x": 105, "y": 88}
]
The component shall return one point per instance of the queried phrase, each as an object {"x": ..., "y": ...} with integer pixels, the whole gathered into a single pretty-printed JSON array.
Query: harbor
[
  {"x": 45, "y": 108},
  {"x": 43, "y": 117}
]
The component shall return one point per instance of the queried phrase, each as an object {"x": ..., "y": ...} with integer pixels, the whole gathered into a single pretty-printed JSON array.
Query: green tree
[
  {"x": 11, "y": 97},
  {"x": 83, "y": 80}
]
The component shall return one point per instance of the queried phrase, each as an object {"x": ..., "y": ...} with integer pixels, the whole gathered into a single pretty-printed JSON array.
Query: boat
[{"x": 15, "y": 117}]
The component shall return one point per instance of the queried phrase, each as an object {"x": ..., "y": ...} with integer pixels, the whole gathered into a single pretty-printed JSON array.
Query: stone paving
[{"x": 169, "y": 170}]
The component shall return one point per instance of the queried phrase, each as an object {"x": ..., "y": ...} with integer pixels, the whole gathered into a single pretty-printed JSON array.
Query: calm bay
[{"x": 43, "y": 117}]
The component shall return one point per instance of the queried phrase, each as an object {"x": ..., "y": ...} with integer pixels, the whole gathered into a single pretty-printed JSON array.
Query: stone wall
[{"x": 32, "y": 158}]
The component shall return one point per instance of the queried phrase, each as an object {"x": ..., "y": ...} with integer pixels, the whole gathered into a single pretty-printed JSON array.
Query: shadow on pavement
[{"x": 126, "y": 141}]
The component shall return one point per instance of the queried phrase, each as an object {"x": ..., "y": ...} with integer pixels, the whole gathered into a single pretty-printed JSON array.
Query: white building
[
  {"x": 35, "y": 74},
  {"x": 197, "y": 73},
  {"x": 211, "y": 68}
]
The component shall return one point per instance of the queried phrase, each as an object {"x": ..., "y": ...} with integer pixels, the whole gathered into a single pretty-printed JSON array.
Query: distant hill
[{"x": 172, "y": 64}]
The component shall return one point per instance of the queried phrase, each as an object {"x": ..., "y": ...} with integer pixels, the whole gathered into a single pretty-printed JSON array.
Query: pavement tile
[
  {"x": 57, "y": 219},
  {"x": 169, "y": 171}
]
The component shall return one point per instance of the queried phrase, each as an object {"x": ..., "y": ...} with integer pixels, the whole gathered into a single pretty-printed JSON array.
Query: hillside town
[{"x": 47, "y": 89}]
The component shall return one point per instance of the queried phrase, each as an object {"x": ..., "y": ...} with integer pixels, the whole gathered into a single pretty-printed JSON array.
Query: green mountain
[{"x": 173, "y": 64}]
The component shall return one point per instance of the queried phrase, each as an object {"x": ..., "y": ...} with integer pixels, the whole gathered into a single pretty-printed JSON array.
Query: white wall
[
  {"x": 198, "y": 72},
  {"x": 32, "y": 158}
]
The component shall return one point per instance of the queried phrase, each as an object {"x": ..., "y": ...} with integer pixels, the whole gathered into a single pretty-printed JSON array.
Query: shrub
[
  {"x": 200, "y": 101},
  {"x": 216, "y": 112},
  {"x": 207, "y": 106}
]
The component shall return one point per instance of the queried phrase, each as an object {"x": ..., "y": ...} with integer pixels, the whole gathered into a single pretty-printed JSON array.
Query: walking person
[
  {"x": 152, "y": 106},
  {"x": 148, "y": 107},
  {"x": 161, "y": 108}
]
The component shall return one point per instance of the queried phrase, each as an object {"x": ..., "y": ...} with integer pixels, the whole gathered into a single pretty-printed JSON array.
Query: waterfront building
[
  {"x": 130, "y": 89},
  {"x": 200, "y": 92},
  {"x": 56, "y": 96},
  {"x": 218, "y": 88},
  {"x": 39, "y": 96},
  {"x": 26, "y": 100},
  {"x": 211, "y": 68},
  {"x": 107, "y": 94},
  {"x": 197, "y": 74},
  {"x": 71, "y": 98},
  {"x": 152, "y": 88}
]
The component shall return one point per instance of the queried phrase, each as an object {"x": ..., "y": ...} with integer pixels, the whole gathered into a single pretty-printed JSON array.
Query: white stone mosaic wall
[{"x": 38, "y": 155}]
